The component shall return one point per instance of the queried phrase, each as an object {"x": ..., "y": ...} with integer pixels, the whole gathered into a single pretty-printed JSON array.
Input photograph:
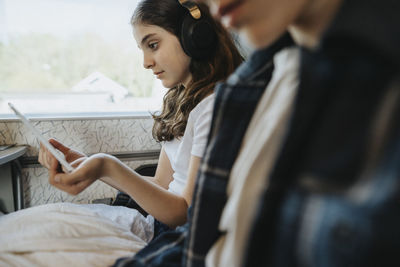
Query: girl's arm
[
  {"x": 163, "y": 176},
  {"x": 165, "y": 206}
]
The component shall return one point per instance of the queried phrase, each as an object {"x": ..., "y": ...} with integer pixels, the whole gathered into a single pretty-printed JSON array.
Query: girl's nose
[{"x": 148, "y": 62}]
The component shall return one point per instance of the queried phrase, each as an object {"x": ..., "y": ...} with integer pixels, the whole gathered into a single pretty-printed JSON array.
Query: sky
[{"x": 107, "y": 18}]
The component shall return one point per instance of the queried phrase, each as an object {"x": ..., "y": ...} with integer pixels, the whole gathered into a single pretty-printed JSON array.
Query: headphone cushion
[{"x": 198, "y": 39}]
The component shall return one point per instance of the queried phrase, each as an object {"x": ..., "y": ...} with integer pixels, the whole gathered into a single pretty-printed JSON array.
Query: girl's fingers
[
  {"x": 51, "y": 161},
  {"x": 70, "y": 184},
  {"x": 49, "y": 158},
  {"x": 43, "y": 157},
  {"x": 40, "y": 157},
  {"x": 73, "y": 189},
  {"x": 71, "y": 178},
  {"x": 79, "y": 179},
  {"x": 59, "y": 146}
]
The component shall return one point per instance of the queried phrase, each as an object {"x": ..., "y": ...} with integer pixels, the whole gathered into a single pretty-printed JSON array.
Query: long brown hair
[{"x": 171, "y": 122}]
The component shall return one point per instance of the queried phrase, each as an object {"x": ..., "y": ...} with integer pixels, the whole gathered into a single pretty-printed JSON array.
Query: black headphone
[{"x": 197, "y": 37}]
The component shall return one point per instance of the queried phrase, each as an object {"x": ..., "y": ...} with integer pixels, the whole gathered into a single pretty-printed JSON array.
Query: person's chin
[
  {"x": 167, "y": 84},
  {"x": 259, "y": 36}
]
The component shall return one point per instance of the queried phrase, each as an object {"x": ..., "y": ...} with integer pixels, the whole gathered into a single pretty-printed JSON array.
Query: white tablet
[{"x": 57, "y": 154}]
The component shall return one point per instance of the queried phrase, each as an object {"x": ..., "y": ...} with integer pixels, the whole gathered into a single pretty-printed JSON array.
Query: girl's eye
[{"x": 153, "y": 45}]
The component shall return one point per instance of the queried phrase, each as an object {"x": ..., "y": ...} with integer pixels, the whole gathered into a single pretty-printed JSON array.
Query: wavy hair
[{"x": 171, "y": 122}]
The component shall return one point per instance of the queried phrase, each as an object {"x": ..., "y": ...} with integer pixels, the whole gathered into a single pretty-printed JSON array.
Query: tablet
[{"x": 57, "y": 154}]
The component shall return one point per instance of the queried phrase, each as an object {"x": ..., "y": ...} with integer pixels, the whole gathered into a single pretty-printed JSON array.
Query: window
[{"x": 72, "y": 56}]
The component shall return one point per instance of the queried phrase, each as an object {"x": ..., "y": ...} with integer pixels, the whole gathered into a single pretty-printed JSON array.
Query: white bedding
[{"x": 66, "y": 234}]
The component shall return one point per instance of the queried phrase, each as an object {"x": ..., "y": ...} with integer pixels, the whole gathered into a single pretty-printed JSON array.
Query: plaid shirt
[{"x": 235, "y": 105}]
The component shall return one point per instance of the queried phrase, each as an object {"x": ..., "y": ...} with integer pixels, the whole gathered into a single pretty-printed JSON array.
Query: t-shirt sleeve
[{"x": 201, "y": 127}]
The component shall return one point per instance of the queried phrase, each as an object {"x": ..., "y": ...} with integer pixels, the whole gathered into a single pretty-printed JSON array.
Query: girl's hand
[
  {"x": 71, "y": 156},
  {"x": 89, "y": 170}
]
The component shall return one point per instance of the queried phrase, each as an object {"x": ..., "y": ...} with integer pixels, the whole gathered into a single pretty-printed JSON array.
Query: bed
[{"x": 66, "y": 234}]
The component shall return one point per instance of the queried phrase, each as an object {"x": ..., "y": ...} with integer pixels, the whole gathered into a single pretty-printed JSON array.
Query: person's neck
[{"x": 316, "y": 17}]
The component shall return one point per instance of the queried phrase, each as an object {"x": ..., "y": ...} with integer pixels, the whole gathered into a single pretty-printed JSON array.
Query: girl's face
[{"x": 163, "y": 54}]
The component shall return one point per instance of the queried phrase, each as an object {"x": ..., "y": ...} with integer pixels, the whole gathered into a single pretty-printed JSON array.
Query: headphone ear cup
[{"x": 198, "y": 38}]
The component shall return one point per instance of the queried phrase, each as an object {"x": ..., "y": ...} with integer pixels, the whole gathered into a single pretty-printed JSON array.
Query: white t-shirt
[
  {"x": 192, "y": 143},
  {"x": 258, "y": 153}
]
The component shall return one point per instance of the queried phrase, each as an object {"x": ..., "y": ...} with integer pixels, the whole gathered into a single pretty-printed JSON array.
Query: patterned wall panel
[{"x": 89, "y": 136}]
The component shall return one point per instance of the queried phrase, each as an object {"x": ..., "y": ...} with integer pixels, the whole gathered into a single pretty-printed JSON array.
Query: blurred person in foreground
[{"x": 306, "y": 172}]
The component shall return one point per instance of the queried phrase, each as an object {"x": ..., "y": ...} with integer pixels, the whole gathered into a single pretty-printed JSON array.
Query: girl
[{"x": 189, "y": 56}]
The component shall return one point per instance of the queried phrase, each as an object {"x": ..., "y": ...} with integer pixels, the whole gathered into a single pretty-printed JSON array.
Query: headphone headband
[
  {"x": 193, "y": 9},
  {"x": 197, "y": 36}
]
